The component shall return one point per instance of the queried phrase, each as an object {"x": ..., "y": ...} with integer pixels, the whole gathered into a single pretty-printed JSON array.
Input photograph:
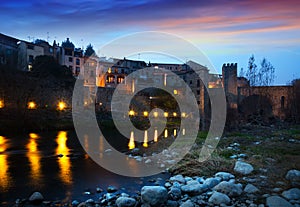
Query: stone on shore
[
  {"x": 219, "y": 198},
  {"x": 125, "y": 202},
  {"x": 243, "y": 168},
  {"x": 251, "y": 189},
  {"x": 293, "y": 175},
  {"x": 187, "y": 203},
  {"x": 154, "y": 195},
  {"x": 225, "y": 176},
  {"x": 276, "y": 201},
  {"x": 194, "y": 188},
  {"x": 36, "y": 198},
  {"x": 292, "y": 194},
  {"x": 177, "y": 178},
  {"x": 229, "y": 188}
]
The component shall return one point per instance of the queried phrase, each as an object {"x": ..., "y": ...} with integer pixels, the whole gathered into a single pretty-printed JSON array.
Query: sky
[{"x": 224, "y": 30}]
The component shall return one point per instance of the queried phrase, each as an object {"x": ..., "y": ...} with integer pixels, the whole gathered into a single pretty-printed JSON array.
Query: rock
[
  {"x": 175, "y": 193},
  {"x": 251, "y": 189},
  {"x": 293, "y": 175},
  {"x": 99, "y": 190},
  {"x": 90, "y": 201},
  {"x": 111, "y": 189},
  {"x": 125, "y": 202},
  {"x": 187, "y": 203},
  {"x": 75, "y": 203},
  {"x": 110, "y": 196},
  {"x": 177, "y": 178},
  {"x": 219, "y": 198},
  {"x": 225, "y": 176},
  {"x": 292, "y": 194},
  {"x": 212, "y": 182},
  {"x": 229, "y": 188},
  {"x": 167, "y": 184},
  {"x": 276, "y": 201},
  {"x": 154, "y": 195},
  {"x": 148, "y": 161},
  {"x": 171, "y": 203},
  {"x": 243, "y": 168},
  {"x": 194, "y": 188},
  {"x": 36, "y": 198}
]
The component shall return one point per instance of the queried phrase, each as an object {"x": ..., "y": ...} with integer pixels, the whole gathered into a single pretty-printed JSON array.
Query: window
[
  {"x": 70, "y": 59},
  {"x": 77, "y": 61},
  {"x": 77, "y": 70},
  {"x": 30, "y": 47},
  {"x": 120, "y": 79},
  {"x": 282, "y": 102},
  {"x": 30, "y": 58},
  {"x": 71, "y": 67},
  {"x": 198, "y": 102},
  {"x": 191, "y": 82},
  {"x": 198, "y": 92},
  {"x": 91, "y": 73},
  {"x": 198, "y": 83},
  {"x": 50, "y": 49}
]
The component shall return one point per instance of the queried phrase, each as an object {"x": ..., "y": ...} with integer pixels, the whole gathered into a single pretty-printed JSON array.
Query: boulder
[
  {"x": 243, "y": 168},
  {"x": 276, "y": 201},
  {"x": 175, "y": 193},
  {"x": 219, "y": 198},
  {"x": 36, "y": 198},
  {"x": 194, "y": 188},
  {"x": 177, "y": 178},
  {"x": 125, "y": 202},
  {"x": 229, "y": 188},
  {"x": 292, "y": 194},
  {"x": 154, "y": 195},
  {"x": 187, "y": 203},
  {"x": 293, "y": 175},
  {"x": 251, "y": 189},
  {"x": 225, "y": 176},
  {"x": 212, "y": 182}
]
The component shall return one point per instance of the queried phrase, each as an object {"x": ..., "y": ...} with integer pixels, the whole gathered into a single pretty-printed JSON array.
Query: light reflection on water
[
  {"x": 34, "y": 158},
  {"x": 64, "y": 161},
  {"x": 5, "y": 178}
]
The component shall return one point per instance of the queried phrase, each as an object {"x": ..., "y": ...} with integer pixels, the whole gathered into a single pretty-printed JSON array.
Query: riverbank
[{"x": 255, "y": 166}]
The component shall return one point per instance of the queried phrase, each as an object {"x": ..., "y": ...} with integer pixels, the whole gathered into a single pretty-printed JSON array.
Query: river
[{"x": 55, "y": 164}]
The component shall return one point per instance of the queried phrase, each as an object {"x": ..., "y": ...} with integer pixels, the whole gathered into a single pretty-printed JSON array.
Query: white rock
[
  {"x": 36, "y": 197},
  {"x": 154, "y": 195},
  {"x": 243, "y": 167},
  {"x": 251, "y": 189},
  {"x": 292, "y": 194},
  {"x": 276, "y": 201},
  {"x": 224, "y": 175},
  {"x": 229, "y": 188},
  {"x": 187, "y": 203},
  {"x": 177, "y": 178},
  {"x": 219, "y": 198},
  {"x": 125, "y": 202},
  {"x": 293, "y": 175}
]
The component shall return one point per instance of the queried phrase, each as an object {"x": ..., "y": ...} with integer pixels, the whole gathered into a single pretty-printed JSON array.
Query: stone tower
[{"x": 229, "y": 73}]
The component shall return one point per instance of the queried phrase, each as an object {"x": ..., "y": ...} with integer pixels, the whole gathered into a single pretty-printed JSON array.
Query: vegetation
[{"x": 89, "y": 51}]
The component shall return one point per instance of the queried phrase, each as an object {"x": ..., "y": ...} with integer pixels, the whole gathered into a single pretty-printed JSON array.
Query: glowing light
[
  {"x": 175, "y": 92},
  {"x": 4, "y": 177},
  {"x": 33, "y": 136},
  {"x": 31, "y": 105},
  {"x": 133, "y": 86},
  {"x": 166, "y": 114},
  {"x": 166, "y": 133},
  {"x": 174, "y": 114},
  {"x": 131, "y": 143},
  {"x": 131, "y": 113},
  {"x": 145, "y": 144},
  {"x": 155, "y": 114},
  {"x": 109, "y": 70},
  {"x": 145, "y": 113},
  {"x": 183, "y": 114},
  {"x": 85, "y": 103},
  {"x": 175, "y": 132},
  {"x": 183, "y": 132},
  {"x": 1, "y": 104},
  {"x": 34, "y": 158},
  {"x": 155, "y": 135},
  {"x": 2, "y": 144},
  {"x": 165, "y": 79},
  {"x": 61, "y": 105},
  {"x": 64, "y": 161}
]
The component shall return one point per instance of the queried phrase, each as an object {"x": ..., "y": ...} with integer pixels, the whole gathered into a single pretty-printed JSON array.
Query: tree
[
  {"x": 89, "y": 51},
  {"x": 264, "y": 76},
  {"x": 67, "y": 44}
]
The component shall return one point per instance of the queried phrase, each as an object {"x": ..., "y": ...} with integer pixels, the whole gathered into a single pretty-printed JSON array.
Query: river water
[{"x": 29, "y": 162}]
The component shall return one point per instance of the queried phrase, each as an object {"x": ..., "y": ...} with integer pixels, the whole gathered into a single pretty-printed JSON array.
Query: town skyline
[{"x": 224, "y": 31}]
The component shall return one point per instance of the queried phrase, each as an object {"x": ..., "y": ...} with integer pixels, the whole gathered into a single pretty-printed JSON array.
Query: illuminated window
[
  {"x": 183, "y": 114},
  {"x": 1, "y": 104},
  {"x": 131, "y": 113},
  {"x": 120, "y": 79},
  {"x": 31, "y": 105},
  {"x": 174, "y": 114},
  {"x": 61, "y": 105},
  {"x": 145, "y": 113},
  {"x": 175, "y": 92},
  {"x": 166, "y": 114},
  {"x": 109, "y": 70}
]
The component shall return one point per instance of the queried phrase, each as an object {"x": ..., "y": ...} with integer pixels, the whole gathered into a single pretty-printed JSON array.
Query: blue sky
[{"x": 225, "y": 30}]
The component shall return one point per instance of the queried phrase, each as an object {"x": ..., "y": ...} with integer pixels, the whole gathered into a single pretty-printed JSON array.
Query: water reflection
[
  {"x": 63, "y": 161},
  {"x": 166, "y": 133},
  {"x": 34, "y": 158},
  {"x": 155, "y": 136},
  {"x": 175, "y": 132},
  {"x": 4, "y": 174},
  {"x": 145, "y": 144},
  {"x": 131, "y": 143}
]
